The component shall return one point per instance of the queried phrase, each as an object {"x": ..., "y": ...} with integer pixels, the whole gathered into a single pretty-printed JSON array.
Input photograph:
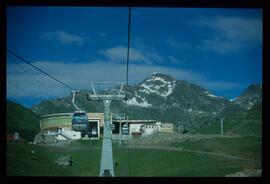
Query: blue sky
[{"x": 219, "y": 49}]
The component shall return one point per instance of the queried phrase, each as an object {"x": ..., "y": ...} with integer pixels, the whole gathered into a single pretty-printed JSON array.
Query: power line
[
  {"x": 53, "y": 95},
  {"x": 14, "y": 54}
]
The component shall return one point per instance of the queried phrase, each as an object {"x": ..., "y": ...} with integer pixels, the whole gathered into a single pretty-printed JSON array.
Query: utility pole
[
  {"x": 120, "y": 140},
  {"x": 106, "y": 164},
  {"x": 178, "y": 127},
  {"x": 221, "y": 125}
]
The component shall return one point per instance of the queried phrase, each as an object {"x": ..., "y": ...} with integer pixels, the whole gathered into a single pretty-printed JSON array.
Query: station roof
[{"x": 136, "y": 121}]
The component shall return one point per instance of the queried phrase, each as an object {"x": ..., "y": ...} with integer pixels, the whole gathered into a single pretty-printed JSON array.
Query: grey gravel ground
[{"x": 246, "y": 173}]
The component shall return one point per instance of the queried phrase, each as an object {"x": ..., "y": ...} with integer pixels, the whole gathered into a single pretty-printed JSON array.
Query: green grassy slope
[
  {"x": 168, "y": 162},
  {"x": 151, "y": 162},
  {"x": 22, "y": 120},
  {"x": 243, "y": 123},
  {"x": 248, "y": 147},
  {"x": 85, "y": 156},
  {"x": 137, "y": 161}
]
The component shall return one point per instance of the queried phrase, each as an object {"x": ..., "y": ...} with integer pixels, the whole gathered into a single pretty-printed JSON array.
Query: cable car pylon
[{"x": 106, "y": 163}]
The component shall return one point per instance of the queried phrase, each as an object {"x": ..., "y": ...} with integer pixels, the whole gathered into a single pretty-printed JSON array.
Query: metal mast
[
  {"x": 221, "y": 125},
  {"x": 106, "y": 164}
]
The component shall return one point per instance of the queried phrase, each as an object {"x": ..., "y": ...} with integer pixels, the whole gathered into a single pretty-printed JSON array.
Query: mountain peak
[
  {"x": 252, "y": 89},
  {"x": 250, "y": 96},
  {"x": 255, "y": 87},
  {"x": 158, "y": 83},
  {"x": 160, "y": 76}
]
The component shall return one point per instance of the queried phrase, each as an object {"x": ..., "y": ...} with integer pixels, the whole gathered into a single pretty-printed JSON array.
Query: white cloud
[
  {"x": 77, "y": 75},
  {"x": 173, "y": 43},
  {"x": 64, "y": 37},
  {"x": 227, "y": 34},
  {"x": 173, "y": 59},
  {"x": 103, "y": 35},
  {"x": 239, "y": 28},
  {"x": 231, "y": 34},
  {"x": 219, "y": 45},
  {"x": 178, "y": 45},
  {"x": 119, "y": 54}
]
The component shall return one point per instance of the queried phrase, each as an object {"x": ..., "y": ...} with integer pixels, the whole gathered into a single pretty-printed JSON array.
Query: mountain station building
[{"x": 60, "y": 125}]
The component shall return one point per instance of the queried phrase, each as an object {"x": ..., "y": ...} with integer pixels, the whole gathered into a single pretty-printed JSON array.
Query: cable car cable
[
  {"x": 23, "y": 90},
  {"x": 32, "y": 76},
  {"x": 128, "y": 48},
  {"x": 14, "y": 54},
  {"x": 129, "y": 23}
]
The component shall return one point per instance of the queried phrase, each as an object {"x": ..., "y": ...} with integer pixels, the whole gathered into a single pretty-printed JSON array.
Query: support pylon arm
[{"x": 73, "y": 100}]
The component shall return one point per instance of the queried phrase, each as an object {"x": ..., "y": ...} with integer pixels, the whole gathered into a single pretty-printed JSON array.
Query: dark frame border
[{"x": 260, "y": 4}]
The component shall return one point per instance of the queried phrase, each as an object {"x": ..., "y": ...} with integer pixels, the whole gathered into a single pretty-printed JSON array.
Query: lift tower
[{"x": 106, "y": 164}]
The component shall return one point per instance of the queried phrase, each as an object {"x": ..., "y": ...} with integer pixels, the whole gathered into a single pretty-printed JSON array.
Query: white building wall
[
  {"x": 71, "y": 134},
  {"x": 149, "y": 129},
  {"x": 60, "y": 137},
  {"x": 135, "y": 127}
]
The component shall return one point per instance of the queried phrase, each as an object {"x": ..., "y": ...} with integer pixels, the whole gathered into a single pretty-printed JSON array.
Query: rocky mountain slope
[{"x": 249, "y": 98}]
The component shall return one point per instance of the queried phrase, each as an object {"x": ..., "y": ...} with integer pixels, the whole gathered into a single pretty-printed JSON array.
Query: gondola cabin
[{"x": 80, "y": 121}]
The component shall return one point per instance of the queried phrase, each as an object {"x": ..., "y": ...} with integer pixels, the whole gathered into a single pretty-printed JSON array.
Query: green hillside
[
  {"x": 25, "y": 159},
  {"x": 216, "y": 156},
  {"x": 242, "y": 123},
  {"x": 22, "y": 120}
]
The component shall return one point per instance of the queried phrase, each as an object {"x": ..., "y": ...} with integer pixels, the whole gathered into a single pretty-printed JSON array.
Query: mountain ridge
[{"x": 165, "y": 99}]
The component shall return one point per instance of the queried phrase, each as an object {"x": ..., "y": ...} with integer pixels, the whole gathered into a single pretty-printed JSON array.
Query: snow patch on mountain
[
  {"x": 150, "y": 88},
  {"x": 170, "y": 89},
  {"x": 147, "y": 88},
  {"x": 154, "y": 78},
  {"x": 133, "y": 101},
  {"x": 233, "y": 99},
  {"x": 211, "y": 95},
  {"x": 201, "y": 112}
]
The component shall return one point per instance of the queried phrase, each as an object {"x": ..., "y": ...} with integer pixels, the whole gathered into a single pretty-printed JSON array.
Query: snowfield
[
  {"x": 150, "y": 88},
  {"x": 211, "y": 95},
  {"x": 133, "y": 101}
]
